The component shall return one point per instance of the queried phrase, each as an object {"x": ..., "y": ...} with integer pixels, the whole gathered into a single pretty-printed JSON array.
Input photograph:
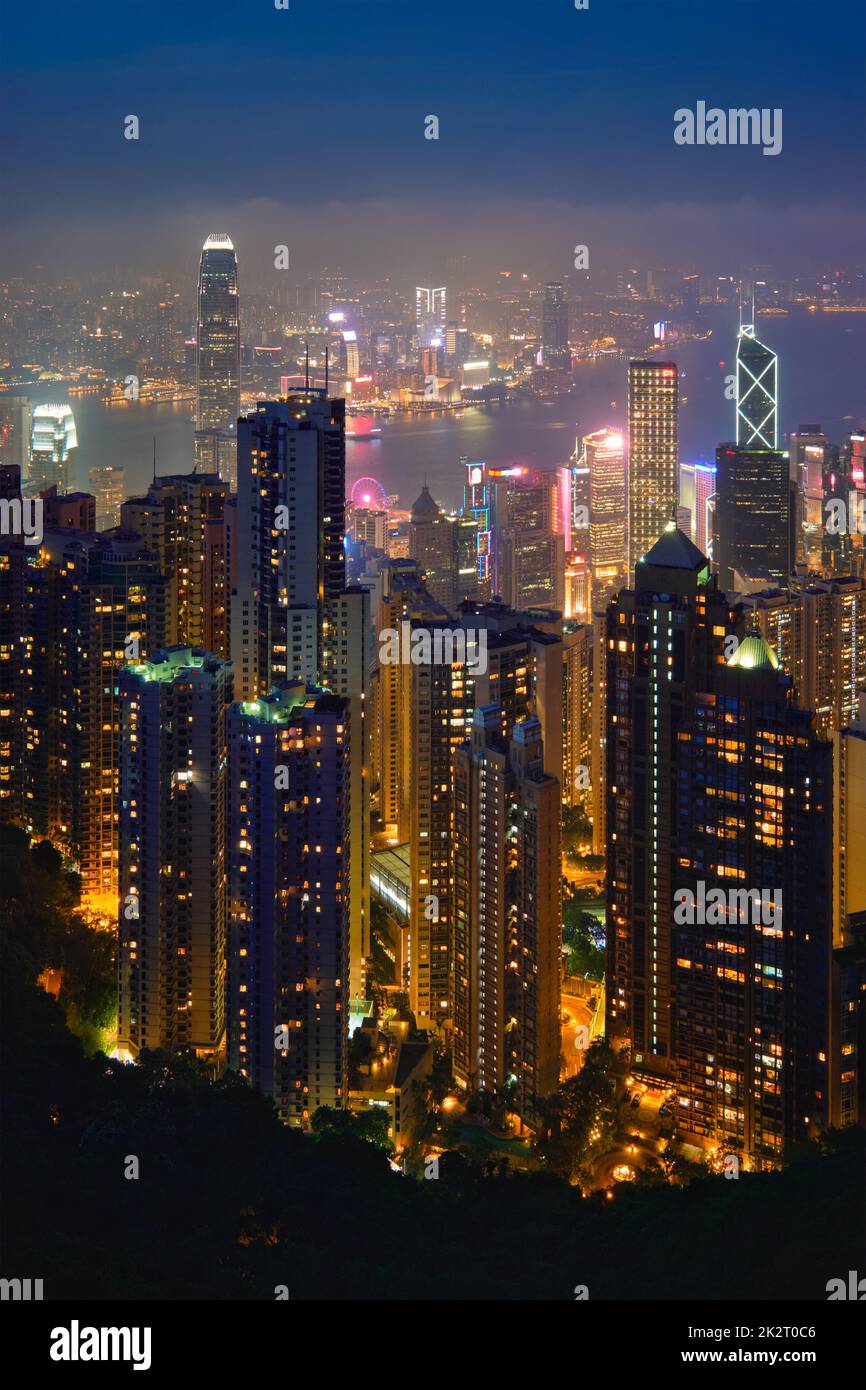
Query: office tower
[
  {"x": 752, "y": 530},
  {"x": 834, "y": 650},
  {"x": 347, "y": 663},
  {"x": 809, "y": 453},
  {"x": 844, "y": 507},
  {"x": 578, "y": 589},
  {"x": 529, "y": 554},
  {"x": 604, "y": 454},
  {"x": 507, "y": 921},
  {"x": 478, "y": 505},
  {"x": 446, "y": 548},
  {"x": 554, "y": 328},
  {"x": 430, "y": 543},
  {"x": 173, "y": 807},
  {"x": 173, "y": 519},
  {"x": 653, "y": 444},
  {"x": 713, "y": 776},
  {"x": 363, "y": 524},
  {"x": 350, "y": 358},
  {"x": 166, "y": 334},
  {"x": 705, "y": 488},
  {"x": 16, "y": 424},
  {"x": 757, "y": 393},
  {"x": 577, "y": 541},
  {"x": 577, "y": 652},
  {"x": 290, "y": 514},
  {"x": 218, "y": 348},
  {"x": 686, "y": 494},
  {"x": 691, "y": 297},
  {"x": 53, "y": 448},
  {"x": 290, "y": 845},
  {"x": 106, "y": 485},
  {"x": 216, "y": 451},
  {"x": 430, "y": 312},
  {"x": 663, "y": 638}
]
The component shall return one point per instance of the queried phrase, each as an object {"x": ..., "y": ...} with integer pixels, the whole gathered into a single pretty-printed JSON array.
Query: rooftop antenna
[
  {"x": 307, "y": 367},
  {"x": 154, "y": 458},
  {"x": 327, "y": 351}
]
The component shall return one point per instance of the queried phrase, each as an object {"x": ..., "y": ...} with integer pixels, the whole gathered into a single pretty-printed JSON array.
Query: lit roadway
[{"x": 579, "y": 1015}]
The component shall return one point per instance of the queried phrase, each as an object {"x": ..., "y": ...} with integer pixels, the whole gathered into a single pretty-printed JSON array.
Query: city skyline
[{"x": 433, "y": 668}]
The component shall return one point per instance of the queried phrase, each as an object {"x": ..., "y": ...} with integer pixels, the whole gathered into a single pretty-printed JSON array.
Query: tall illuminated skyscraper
[
  {"x": 757, "y": 392},
  {"x": 173, "y": 803},
  {"x": 604, "y": 455},
  {"x": 53, "y": 447},
  {"x": 753, "y": 524},
  {"x": 653, "y": 444},
  {"x": 506, "y": 911},
  {"x": 716, "y": 782},
  {"x": 290, "y": 845},
  {"x": 291, "y": 562},
  {"x": 106, "y": 484},
  {"x": 218, "y": 348},
  {"x": 554, "y": 327},
  {"x": 430, "y": 311}
]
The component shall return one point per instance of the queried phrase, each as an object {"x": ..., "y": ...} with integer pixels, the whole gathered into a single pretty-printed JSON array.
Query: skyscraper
[
  {"x": 506, "y": 910},
  {"x": 106, "y": 484},
  {"x": 218, "y": 350},
  {"x": 604, "y": 455},
  {"x": 173, "y": 520},
  {"x": 172, "y": 919},
  {"x": 653, "y": 445},
  {"x": 719, "y": 865},
  {"x": 752, "y": 522},
  {"x": 663, "y": 637},
  {"x": 290, "y": 513},
  {"x": 53, "y": 448},
  {"x": 757, "y": 392},
  {"x": 430, "y": 312},
  {"x": 289, "y": 896},
  {"x": 554, "y": 327}
]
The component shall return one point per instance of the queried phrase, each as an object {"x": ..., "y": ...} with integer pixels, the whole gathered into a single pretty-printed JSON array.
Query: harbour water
[{"x": 822, "y": 375}]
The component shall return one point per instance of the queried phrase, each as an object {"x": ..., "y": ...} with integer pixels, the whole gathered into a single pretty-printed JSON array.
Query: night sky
[{"x": 306, "y": 126}]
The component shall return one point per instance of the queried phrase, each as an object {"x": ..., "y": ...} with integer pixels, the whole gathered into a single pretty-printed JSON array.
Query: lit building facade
[
  {"x": 289, "y": 898},
  {"x": 218, "y": 345},
  {"x": 653, "y": 444},
  {"x": 173, "y": 872},
  {"x": 507, "y": 923}
]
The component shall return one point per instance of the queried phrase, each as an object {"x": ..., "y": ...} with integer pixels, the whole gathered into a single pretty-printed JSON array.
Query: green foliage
[
  {"x": 578, "y": 1121},
  {"x": 39, "y": 903}
]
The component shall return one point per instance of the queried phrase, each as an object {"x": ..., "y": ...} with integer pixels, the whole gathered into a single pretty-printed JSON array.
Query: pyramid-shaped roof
[
  {"x": 754, "y": 654},
  {"x": 674, "y": 551}
]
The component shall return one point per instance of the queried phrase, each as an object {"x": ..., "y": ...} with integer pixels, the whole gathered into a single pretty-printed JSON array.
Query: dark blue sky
[{"x": 312, "y": 117}]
